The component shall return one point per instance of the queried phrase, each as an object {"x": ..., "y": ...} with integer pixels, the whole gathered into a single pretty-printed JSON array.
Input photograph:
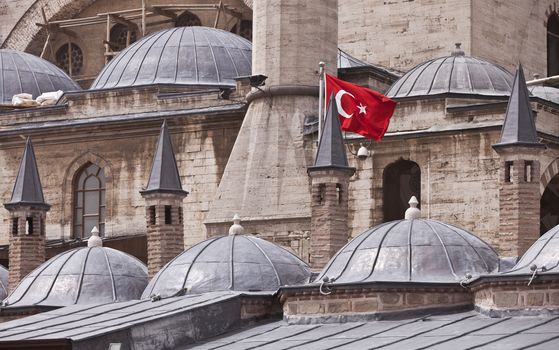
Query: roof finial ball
[
  {"x": 457, "y": 50},
  {"x": 236, "y": 228},
  {"x": 94, "y": 240},
  {"x": 413, "y": 211}
]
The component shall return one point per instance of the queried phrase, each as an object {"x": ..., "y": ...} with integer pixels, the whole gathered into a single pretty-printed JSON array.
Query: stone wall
[
  {"x": 510, "y": 296},
  {"x": 370, "y": 300}
]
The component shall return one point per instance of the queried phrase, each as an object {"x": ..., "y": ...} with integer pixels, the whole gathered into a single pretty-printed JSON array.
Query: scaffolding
[{"x": 168, "y": 13}]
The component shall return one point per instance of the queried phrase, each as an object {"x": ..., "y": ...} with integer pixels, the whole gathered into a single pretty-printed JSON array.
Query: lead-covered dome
[
  {"x": 417, "y": 250},
  {"x": 547, "y": 93},
  {"x": 25, "y": 73},
  {"x": 192, "y": 56},
  {"x": 4, "y": 274},
  {"x": 234, "y": 262},
  {"x": 85, "y": 275},
  {"x": 454, "y": 74},
  {"x": 543, "y": 255}
]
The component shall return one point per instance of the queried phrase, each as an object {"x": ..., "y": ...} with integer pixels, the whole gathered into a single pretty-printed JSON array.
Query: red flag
[{"x": 361, "y": 110}]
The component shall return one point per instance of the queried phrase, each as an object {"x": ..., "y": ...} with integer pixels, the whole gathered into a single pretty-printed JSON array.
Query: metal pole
[
  {"x": 320, "y": 97},
  {"x": 143, "y": 18}
]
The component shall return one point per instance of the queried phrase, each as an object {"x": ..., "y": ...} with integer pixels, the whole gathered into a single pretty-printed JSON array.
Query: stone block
[{"x": 505, "y": 299}]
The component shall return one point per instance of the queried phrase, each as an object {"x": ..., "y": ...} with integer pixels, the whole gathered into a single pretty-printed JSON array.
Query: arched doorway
[
  {"x": 549, "y": 206},
  {"x": 401, "y": 180}
]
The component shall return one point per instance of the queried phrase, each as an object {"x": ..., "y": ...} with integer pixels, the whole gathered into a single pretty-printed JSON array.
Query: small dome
[
  {"x": 234, "y": 262},
  {"x": 456, "y": 74},
  {"x": 547, "y": 93},
  {"x": 543, "y": 253},
  {"x": 193, "y": 56},
  {"x": 3, "y": 282},
  {"x": 418, "y": 250},
  {"x": 83, "y": 275},
  {"x": 26, "y": 73}
]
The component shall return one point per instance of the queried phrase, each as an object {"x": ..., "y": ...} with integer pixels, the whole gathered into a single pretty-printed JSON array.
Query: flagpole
[{"x": 320, "y": 97}]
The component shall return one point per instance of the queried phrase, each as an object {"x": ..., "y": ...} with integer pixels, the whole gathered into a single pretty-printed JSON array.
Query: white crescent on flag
[{"x": 341, "y": 111}]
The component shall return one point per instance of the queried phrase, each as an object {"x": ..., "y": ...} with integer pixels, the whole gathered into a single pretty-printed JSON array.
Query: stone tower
[
  {"x": 519, "y": 192},
  {"x": 265, "y": 180},
  {"x": 28, "y": 210},
  {"x": 329, "y": 185},
  {"x": 163, "y": 196}
]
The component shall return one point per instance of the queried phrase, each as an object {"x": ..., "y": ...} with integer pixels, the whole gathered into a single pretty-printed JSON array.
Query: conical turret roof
[
  {"x": 519, "y": 128},
  {"x": 164, "y": 176},
  {"x": 331, "y": 149},
  {"x": 27, "y": 189}
]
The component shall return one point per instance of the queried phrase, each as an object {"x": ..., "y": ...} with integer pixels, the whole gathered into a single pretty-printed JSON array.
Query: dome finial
[
  {"x": 457, "y": 50},
  {"x": 236, "y": 228},
  {"x": 94, "y": 240},
  {"x": 413, "y": 211}
]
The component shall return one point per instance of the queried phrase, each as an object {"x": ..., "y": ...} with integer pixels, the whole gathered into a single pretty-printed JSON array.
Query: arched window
[
  {"x": 121, "y": 37},
  {"x": 553, "y": 45},
  {"x": 402, "y": 179},
  {"x": 549, "y": 206},
  {"x": 187, "y": 19},
  {"x": 69, "y": 58},
  {"x": 89, "y": 200}
]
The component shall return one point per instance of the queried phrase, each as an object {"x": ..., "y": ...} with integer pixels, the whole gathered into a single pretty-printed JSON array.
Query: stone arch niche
[
  {"x": 401, "y": 180},
  {"x": 28, "y": 37}
]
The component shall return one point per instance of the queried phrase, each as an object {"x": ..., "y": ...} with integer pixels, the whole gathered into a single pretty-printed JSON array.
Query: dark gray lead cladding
[
  {"x": 519, "y": 127},
  {"x": 457, "y": 74},
  {"x": 237, "y": 263},
  {"x": 417, "y": 250},
  {"x": 543, "y": 253},
  {"x": 164, "y": 175},
  {"x": 331, "y": 150},
  {"x": 21, "y": 72},
  {"x": 547, "y": 93},
  {"x": 467, "y": 330},
  {"x": 82, "y": 276},
  {"x": 194, "y": 56},
  {"x": 27, "y": 189}
]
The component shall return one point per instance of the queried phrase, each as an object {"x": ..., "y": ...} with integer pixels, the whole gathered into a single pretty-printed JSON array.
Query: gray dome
[
  {"x": 23, "y": 72},
  {"x": 544, "y": 252},
  {"x": 411, "y": 251},
  {"x": 234, "y": 262},
  {"x": 82, "y": 276},
  {"x": 3, "y": 282},
  {"x": 193, "y": 56},
  {"x": 547, "y": 93},
  {"x": 456, "y": 74}
]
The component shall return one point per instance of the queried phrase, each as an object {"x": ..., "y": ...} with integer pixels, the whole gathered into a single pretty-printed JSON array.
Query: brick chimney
[
  {"x": 329, "y": 182},
  {"x": 519, "y": 174},
  {"x": 163, "y": 196},
  {"x": 28, "y": 211}
]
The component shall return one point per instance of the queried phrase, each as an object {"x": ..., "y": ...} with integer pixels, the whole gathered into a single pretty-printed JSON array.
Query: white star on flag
[{"x": 362, "y": 109}]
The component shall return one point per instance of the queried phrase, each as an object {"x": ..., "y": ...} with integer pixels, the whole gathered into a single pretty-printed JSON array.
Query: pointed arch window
[
  {"x": 553, "y": 45},
  {"x": 89, "y": 200}
]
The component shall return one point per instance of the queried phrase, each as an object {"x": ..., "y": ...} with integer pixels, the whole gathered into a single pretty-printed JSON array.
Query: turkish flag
[{"x": 361, "y": 110}]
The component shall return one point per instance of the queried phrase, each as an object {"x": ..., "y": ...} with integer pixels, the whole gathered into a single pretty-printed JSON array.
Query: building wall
[
  {"x": 508, "y": 32},
  {"x": 401, "y": 34},
  {"x": 125, "y": 151}
]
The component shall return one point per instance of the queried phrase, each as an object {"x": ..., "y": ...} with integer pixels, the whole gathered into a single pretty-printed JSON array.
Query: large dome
[
  {"x": 193, "y": 56},
  {"x": 234, "y": 262},
  {"x": 85, "y": 275},
  {"x": 416, "y": 250},
  {"x": 454, "y": 74},
  {"x": 26, "y": 73},
  {"x": 544, "y": 253}
]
